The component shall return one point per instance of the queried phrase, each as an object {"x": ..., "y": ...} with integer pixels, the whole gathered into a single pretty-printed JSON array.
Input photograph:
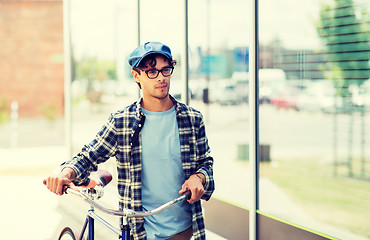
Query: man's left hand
[{"x": 195, "y": 185}]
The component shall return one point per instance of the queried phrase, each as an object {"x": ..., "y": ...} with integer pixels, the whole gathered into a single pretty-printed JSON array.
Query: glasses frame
[{"x": 158, "y": 71}]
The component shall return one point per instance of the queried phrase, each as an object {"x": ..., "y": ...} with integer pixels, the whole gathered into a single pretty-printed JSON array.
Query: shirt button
[{"x": 139, "y": 125}]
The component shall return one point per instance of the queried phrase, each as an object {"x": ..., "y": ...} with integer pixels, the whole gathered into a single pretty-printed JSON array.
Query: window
[{"x": 315, "y": 123}]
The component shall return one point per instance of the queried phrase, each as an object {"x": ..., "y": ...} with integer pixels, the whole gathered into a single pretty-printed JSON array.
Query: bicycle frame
[
  {"x": 92, "y": 216},
  {"x": 124, "y": 232}
]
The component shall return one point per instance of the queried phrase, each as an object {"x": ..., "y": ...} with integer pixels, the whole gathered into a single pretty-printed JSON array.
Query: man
[{"x": 161, "y": 150}]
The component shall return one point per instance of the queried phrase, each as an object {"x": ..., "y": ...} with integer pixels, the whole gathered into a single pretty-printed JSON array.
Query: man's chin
[{"x": 163, "y": 96}]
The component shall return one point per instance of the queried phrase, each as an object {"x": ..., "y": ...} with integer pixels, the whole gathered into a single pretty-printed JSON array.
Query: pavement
[{"x": 27, "y": 210}]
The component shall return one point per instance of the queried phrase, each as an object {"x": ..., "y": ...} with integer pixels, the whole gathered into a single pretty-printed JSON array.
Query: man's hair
[{"x": 151, "y": 61}]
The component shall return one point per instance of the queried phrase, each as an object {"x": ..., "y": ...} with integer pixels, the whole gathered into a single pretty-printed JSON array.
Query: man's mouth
[{"x": 161, "y": 86}]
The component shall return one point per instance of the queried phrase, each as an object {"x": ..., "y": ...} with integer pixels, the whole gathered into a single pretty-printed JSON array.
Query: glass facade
[
  {"x": 314, "y": 122},
  {"x": 314, "y": 93},
  {"x": 314, "y": 97}
]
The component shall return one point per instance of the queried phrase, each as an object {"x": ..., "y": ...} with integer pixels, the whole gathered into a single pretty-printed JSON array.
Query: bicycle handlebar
[
  {"x": 102, "y": 178},
  {"x": 127, "y": 212}
]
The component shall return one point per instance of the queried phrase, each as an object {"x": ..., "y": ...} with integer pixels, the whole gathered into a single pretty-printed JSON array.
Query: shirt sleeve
[
  {"x": 100, "y": 149},
  {"x": 205, "y": 161}
]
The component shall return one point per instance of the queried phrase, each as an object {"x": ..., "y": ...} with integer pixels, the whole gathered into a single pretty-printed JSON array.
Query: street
[{"x": 288, "y": 132}]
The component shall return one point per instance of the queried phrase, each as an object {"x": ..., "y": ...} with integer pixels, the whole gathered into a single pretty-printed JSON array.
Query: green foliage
[
  {"x": 92, "y": 69},
  {"x": 336, "y": 200},
  {"x": 4, "y": 112},
  {"x": 345, "y": 33},
  {"x": 49, "y": 111}
]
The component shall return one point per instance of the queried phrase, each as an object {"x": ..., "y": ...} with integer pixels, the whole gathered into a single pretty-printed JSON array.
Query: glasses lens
[
  {"x": 167, "y": 71},
  {"x": 153, "y": 73}
]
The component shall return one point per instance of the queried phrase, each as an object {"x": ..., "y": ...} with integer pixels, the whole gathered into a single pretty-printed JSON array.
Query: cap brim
[{"x": 151, "y": 52}]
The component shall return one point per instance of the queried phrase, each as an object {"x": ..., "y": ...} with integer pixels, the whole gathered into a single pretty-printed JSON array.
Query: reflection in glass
[{"x": 317, "y": 122}]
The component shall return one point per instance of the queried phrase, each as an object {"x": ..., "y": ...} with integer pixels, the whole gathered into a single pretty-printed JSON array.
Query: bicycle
[{"x": 93, "y": 191}]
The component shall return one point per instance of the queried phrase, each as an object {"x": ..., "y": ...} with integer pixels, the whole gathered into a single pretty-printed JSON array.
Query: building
[{"x": 31, "y": 57}]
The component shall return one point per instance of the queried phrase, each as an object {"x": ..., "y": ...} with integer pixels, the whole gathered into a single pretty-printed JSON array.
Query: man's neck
[{"x": 157, "y": 105}]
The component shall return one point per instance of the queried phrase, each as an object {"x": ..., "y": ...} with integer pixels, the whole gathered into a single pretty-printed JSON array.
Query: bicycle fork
[
  {"x": 88, "y": 222},
  {"x": 125, "y": 228}
]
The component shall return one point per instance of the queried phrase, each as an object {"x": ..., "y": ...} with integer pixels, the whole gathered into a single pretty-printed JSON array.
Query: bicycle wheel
[{"x": 67, "y": 234}]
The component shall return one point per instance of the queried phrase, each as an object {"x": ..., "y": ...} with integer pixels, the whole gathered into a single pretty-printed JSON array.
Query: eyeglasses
[{"x": 153, "y": 73}]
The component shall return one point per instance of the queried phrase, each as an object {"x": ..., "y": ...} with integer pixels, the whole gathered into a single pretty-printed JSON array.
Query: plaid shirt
[{"x": 120, "y": 137}]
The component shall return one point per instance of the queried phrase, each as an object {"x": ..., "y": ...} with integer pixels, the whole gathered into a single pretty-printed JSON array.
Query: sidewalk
[{"x": 27, "y": 210}]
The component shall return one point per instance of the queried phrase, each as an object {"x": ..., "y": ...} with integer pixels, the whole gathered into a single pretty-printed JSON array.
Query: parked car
[
  {"x": 222, "y": 91},
  {"x": 240, "y": 80},
  {"x": 271, "y": 82},
  {"x": 361, "y": 95},
  {"x": 319, "y": 96},
  {"x": 286, "y": 98}
]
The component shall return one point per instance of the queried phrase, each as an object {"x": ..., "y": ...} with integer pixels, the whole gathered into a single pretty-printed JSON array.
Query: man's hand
[
  {"x": 57, "y": 184},
  {"x": 195, "y": 185}
]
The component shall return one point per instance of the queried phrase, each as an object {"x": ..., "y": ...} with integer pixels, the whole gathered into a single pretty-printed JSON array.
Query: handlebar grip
[
  {"x": 65, "y": 188},
  {"x": 187, "y": 195}
]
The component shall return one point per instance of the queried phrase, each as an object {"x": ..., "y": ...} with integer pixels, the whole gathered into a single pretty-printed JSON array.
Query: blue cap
[{"x": 146, "y": 49}]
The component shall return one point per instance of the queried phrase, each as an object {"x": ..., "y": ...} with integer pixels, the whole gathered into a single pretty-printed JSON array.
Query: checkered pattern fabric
[{"x": 120, "y": 138}]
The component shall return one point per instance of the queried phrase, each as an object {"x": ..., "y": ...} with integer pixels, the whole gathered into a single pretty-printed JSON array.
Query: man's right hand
[{"x": 58, "y": 183}]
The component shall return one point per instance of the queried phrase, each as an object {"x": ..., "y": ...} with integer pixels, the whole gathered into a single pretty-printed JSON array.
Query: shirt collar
[{"x": 139, "y": 110}]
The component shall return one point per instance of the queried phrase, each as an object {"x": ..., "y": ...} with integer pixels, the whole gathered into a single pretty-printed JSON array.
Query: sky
[{"x": 107, "y": 28}]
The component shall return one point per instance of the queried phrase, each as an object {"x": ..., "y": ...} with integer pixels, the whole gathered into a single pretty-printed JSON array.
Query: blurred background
[{"x": 314, "y": 93}]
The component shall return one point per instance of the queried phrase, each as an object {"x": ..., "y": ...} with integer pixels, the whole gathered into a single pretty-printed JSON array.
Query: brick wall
[{"x": 31, "y": 56}]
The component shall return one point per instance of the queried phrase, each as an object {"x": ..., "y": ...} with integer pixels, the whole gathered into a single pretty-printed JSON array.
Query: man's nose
[{"x": 160, "y": 77}]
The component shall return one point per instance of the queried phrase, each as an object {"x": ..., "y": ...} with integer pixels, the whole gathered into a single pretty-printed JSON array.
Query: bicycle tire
[{"x": 67, "y": 234}]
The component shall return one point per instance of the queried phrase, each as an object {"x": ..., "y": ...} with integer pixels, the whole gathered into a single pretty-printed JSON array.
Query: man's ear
[{"x": 136, "y": 76}]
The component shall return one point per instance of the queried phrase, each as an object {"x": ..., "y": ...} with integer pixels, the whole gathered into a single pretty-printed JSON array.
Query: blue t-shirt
[{"x": 162, "y": 175}]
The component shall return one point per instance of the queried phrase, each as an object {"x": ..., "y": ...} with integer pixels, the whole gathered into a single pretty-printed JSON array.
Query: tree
[
  {"x": 94, "y": 69},
  {"x": 345, "y": 33}
]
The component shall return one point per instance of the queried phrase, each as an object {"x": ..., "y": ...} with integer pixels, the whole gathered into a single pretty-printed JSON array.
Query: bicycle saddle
[{"x": 99, "y": 177}]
